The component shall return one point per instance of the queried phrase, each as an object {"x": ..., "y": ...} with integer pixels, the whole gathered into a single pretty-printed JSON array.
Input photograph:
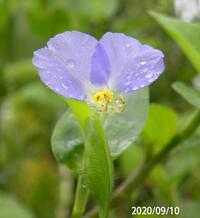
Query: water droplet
[
  {"x": 64, "y": 86},
  {"x": 143, "y": 62},
  {"x": 145, "y": 70},
  {"x": 128, "y": 48},
  {"x": 150, "y": 80},
  {"x": 135, "y": 87},
  {"x": 128, "y": 83},
  {"x": 57, "y": 89},
  {"x": 148, "y": 75},
  {"x": 129, "y": 77},
  {"x": 71, "y": 63},
  {"x": 141, "y": 86}
]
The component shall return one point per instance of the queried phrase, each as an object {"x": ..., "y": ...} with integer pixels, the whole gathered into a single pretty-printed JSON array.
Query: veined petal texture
[
  {"x": 65, "y": 64},
  {"x": 100, "y": 71},
  {"x": 75, "y": 64},
  {"x": 133, "y": 65}
]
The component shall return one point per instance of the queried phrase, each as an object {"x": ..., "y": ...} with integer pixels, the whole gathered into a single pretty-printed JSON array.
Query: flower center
[
  {"x": 103, "y": 98},
  {"x": 106, "y": 101}
]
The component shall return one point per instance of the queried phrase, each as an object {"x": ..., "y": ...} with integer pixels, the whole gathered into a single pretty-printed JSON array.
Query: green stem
[
  {"x": 139, "y": 175},
  {"x": 81, "y": 198}
]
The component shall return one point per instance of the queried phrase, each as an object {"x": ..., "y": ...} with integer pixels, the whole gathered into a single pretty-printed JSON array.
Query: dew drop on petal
[
  {"x": 135, "y": 87},
  {"x": 128, "y": 48},
  {"x": 150, "y": 80},
  {"x": 143, "y": 62},
  {"x": 70, "y": 63},
  {"x": 129, "y": 77},
  {"x": 145, "y": 70},
  {"x": 128, "y": 45},
  {"x": 148, "y": 75},
  {"x": 64, "y": 86}
]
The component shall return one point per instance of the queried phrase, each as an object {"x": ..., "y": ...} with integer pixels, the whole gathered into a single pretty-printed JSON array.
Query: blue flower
[{"x": 78, "y": 66}]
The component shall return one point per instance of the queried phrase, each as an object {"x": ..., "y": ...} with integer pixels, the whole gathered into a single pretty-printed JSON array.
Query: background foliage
[{"x": 32, "y": 183}]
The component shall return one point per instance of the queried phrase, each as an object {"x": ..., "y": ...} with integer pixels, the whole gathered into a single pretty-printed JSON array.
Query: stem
[
  {"x": 139, "y": 175},
  {"x": 81, "y": 198}
]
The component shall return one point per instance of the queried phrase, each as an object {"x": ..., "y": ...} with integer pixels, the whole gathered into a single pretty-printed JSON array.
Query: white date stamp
[{"x": 155, "y": 210}]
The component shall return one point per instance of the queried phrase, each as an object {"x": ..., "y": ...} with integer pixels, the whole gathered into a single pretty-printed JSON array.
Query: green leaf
[
  {"x": 121, "y": 129},
  {"x": 160, "y": 126},
  {"x": 186, "y": 158},
  {"x": 185, "y": 34},
  {"x": 191, "y": 95},
  {"x": 163, "y": 186},
  {"x": 131, "y": 158},
  {"x": 98, "y": 164},
  {"x": 81, "y": 110},
  {"x": 10, "y": 207},
  {"x": 67, "y": 142}
]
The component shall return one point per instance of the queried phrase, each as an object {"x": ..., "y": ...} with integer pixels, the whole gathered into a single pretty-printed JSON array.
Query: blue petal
[
  {"x": 133, "y": 65},
  {"x": 65, "y": 64},
  {"x": 75, "y": 50},
  {"x": 100, "y": 70},
  {"x": 55, "y": 76},
  {"x": 145, "y": 68}
]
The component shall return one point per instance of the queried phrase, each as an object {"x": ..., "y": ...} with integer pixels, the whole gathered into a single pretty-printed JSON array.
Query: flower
[{"x": 76, "y": 65}]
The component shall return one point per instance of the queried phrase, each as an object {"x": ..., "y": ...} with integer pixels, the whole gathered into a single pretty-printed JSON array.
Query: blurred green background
[{"x": 32, "y": 184}]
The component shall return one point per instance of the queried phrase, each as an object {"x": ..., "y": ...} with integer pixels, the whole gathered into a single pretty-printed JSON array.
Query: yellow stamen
[
  {"x": 103, "y": 98},
  {"x": 121, "y": 103}
]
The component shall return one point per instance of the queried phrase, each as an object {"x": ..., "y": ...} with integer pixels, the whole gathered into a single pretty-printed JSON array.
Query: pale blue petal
[
  {"x": 100, "y": 70},
  {"x": 75, "y": 50},
  {"x": 55, "y": 76},
  {"x": 65, "y": 65},
  {"x": 133, "y": 65}
]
